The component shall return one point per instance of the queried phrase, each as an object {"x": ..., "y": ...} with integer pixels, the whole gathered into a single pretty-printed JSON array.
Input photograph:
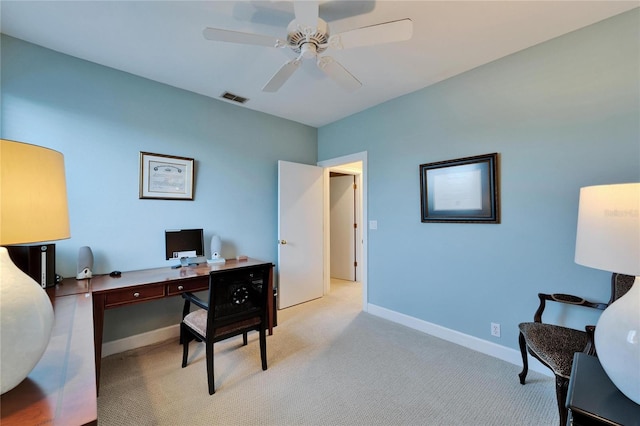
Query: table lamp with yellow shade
[{"x": 33, "y": 208}]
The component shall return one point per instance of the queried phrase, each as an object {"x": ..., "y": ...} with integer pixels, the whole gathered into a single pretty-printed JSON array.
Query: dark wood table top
[
  {"x": 100, "y": 283},
  {"x": 593, "y": 395}
]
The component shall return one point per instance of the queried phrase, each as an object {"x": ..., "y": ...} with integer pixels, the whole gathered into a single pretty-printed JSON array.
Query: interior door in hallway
[
  {"x": 343, "y": 224},
  {"x": 300, "y": 233}
]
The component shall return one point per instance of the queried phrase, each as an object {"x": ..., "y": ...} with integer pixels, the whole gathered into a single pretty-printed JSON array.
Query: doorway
[
  {"x": 344, "y": 226},
  {"x": 356, "y": 165}
]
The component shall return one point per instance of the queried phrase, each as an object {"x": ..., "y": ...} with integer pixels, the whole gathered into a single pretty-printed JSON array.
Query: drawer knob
[
  {"x": 136, "y": 294},
  {"x": 180, "y": 288}
]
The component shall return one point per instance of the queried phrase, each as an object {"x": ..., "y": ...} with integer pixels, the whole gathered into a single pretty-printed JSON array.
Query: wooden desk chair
[
  {"x": 554, "y": 345},
  {"x": 237, "y": 304}
]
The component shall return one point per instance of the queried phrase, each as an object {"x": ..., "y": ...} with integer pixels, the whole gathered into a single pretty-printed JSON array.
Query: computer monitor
[{"x": 186, "y": 245}]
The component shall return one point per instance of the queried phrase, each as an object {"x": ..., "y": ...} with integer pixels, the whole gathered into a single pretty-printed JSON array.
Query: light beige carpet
[{"x": 329, "y": 364}]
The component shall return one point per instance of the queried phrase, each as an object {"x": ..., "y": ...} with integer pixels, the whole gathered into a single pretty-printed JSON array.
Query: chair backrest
[
  {"x": 620, "y": 285},
  {"x": 237, "y": 296}
]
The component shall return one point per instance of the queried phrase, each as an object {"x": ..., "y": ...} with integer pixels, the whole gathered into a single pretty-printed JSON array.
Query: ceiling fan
[{"x": 308, "y": 36}]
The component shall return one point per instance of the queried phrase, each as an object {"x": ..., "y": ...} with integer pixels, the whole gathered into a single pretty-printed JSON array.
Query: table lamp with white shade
[
  {"x": 608, "y": 238},
  {"x": 33, "y": 208}
]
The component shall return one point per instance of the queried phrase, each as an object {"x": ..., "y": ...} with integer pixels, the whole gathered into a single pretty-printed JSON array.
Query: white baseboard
[
  {"x": 484, "y": 346},
  {"x": 140, "y": 340}
]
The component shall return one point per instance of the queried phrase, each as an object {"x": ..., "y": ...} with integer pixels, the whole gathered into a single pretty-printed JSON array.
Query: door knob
[{"x": 283, "y": 242}]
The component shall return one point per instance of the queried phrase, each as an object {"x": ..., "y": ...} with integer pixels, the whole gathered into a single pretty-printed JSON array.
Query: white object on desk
[{"x": 216, "y": 248}]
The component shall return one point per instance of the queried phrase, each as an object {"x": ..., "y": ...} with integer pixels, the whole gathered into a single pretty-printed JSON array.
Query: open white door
[{"x": 300, "y": 233}]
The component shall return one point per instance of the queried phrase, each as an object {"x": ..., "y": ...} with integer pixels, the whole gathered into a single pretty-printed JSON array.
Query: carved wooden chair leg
[
  {"x": 525, "y": 361},
  {"x": 562, "y": 385}
]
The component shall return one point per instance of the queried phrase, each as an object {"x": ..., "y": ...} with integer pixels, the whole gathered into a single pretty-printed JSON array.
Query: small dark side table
[{"x": 592, "y": 399}]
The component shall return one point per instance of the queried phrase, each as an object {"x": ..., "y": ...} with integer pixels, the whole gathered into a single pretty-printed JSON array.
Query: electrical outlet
[{"x": 495, "y": 329}]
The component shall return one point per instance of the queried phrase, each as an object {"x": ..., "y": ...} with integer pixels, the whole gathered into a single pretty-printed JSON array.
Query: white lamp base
[
  {"x": 617, "y": 342},
  {"x": 26, "y": 320}
]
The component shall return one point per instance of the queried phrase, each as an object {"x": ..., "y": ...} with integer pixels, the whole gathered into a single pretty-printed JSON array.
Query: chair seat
[
  {"x": 551, "y": 344},
  {"x": 197, "y": 320}
]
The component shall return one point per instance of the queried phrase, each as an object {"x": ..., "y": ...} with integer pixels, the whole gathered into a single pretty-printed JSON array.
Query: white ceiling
[{"x": 162, "y": 41}]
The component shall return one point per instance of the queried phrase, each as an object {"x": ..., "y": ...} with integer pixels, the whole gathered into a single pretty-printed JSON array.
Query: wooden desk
[
  {"x": 61, "y": 389},
  {"x": 151, "y": 284}
]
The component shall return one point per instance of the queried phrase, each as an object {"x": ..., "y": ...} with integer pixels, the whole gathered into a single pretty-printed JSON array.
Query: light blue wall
[
  {"x": 101, "y": 119},
  {"x": 562, "y": 115}
]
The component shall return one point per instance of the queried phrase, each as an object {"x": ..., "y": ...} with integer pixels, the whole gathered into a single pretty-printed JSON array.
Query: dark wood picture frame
[
  {"x": 464, "y": 190},
  {"x": 166, "y": 177}
]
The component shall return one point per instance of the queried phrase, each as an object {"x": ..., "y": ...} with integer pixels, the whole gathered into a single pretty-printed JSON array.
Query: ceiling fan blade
[
  {"x": 281, "y": 76},
  {"x": 338, "y": 73},
  {"x": 375, "y": 34},
  {"x": 306, "y": 13},
  {"x": 217, "y": 34}
]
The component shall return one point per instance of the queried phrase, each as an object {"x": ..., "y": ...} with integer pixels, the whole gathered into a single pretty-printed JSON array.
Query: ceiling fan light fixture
[
  {"x": 309, "y": 50},
  {"x": 298, "y": 36}
]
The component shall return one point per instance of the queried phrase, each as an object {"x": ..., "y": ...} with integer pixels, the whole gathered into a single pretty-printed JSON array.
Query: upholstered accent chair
[
  {"x": 554, "y": 345},
  {"x": 237, "y": 305}
]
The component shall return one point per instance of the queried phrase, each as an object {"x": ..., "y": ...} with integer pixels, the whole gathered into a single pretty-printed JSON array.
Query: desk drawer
[
  {"x": 194, "y": 285},
  {"x": 134, "y": 295}
]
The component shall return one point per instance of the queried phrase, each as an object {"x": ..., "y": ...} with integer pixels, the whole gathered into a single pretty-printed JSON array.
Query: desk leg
[{"x": 98, "y": 326}]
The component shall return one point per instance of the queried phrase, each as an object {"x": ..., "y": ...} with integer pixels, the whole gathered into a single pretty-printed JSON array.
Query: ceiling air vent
[{"x": 234, "y": 98}]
